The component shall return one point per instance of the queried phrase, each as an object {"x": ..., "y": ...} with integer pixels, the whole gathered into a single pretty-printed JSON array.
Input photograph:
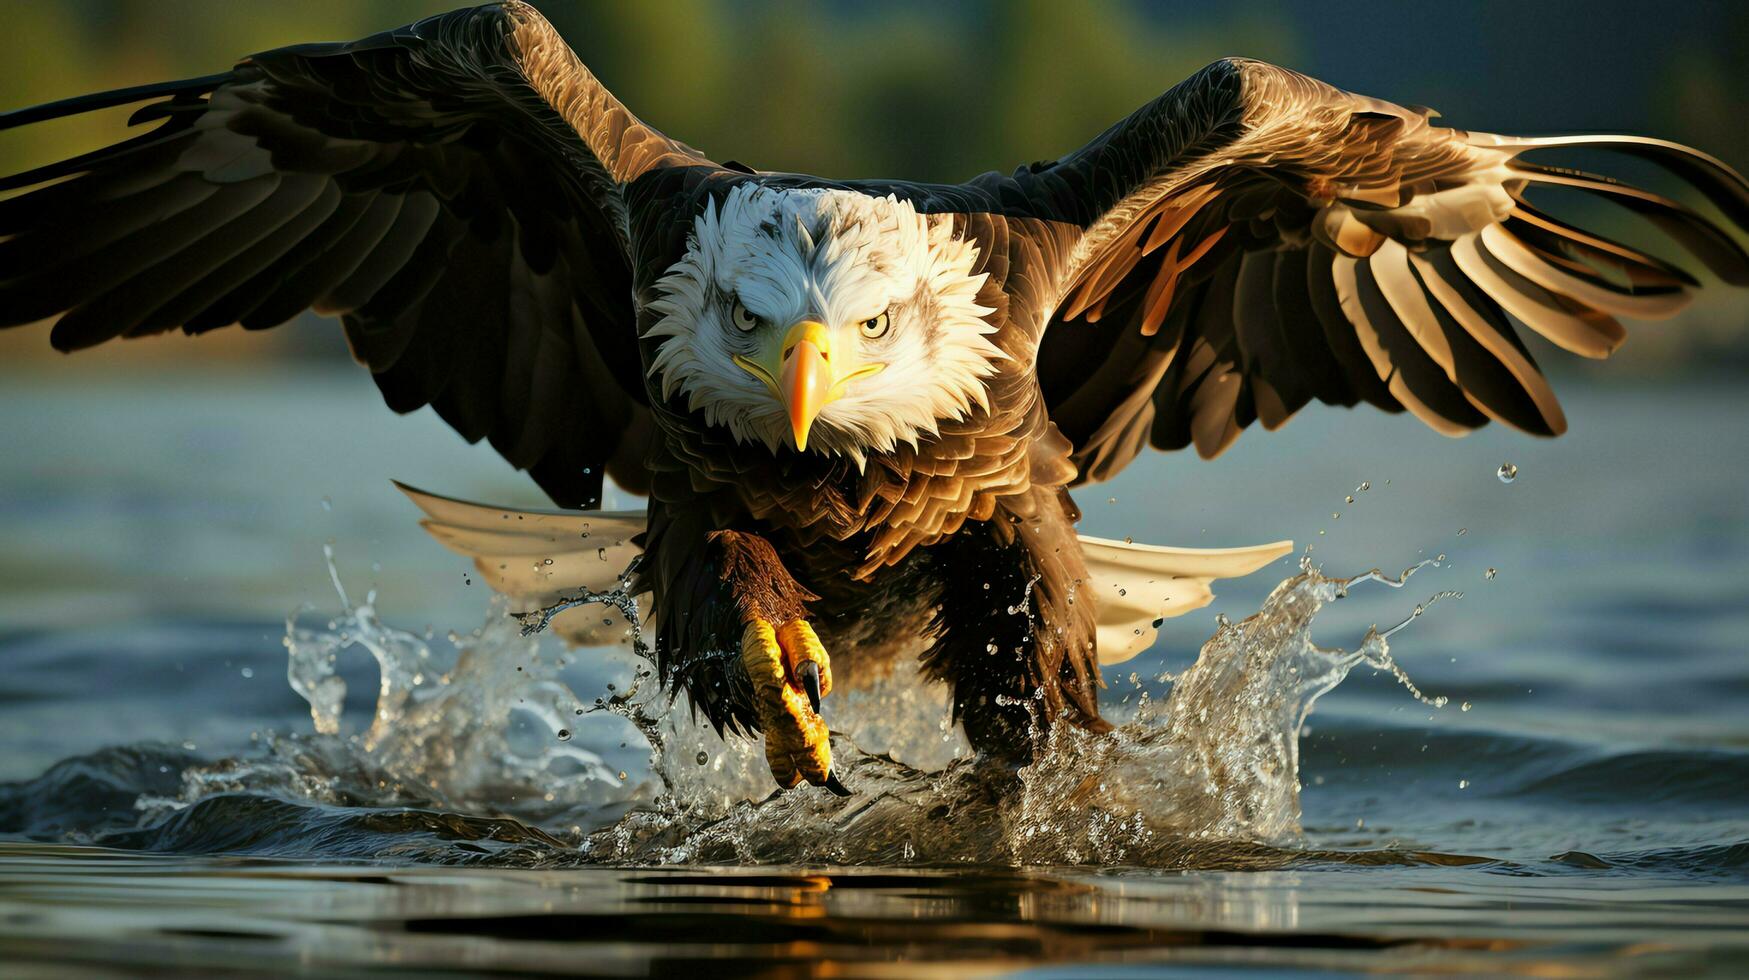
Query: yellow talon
[
  {"x": 780, "y": 663},
  {"x": 801, "y": 647}
]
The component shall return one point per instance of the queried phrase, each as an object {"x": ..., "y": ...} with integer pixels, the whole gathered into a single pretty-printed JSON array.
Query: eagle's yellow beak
[
  {"x": 805, "y": 380},
  {"x": 805, "y": 375}
]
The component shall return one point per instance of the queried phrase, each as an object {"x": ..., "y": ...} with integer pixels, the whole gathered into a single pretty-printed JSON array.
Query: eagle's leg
[
  {"x": 731, "y": 628},
  {"x": 1014, "y": 631},
  {"x": 790, "y": 673}
]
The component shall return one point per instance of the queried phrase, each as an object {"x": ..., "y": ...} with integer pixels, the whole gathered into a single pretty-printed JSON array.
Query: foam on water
[{"x": 1207, "y": 773}]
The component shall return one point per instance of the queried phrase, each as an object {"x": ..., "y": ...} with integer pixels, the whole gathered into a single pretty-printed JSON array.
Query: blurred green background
[{"x": 945, "y": 90}]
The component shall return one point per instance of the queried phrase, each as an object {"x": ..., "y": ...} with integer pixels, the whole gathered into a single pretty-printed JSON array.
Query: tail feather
[
  {"x": 1138, "y": 585},
  {"x": 542, "y": 556}
]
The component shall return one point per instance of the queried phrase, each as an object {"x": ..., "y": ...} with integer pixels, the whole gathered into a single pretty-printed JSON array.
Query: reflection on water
[{"x": 85, "y": 908}]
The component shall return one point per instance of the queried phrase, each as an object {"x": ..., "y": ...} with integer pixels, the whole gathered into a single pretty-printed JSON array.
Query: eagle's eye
[
  {"x": 744, "y": 319},
  {"x": 876, "y": 328}
]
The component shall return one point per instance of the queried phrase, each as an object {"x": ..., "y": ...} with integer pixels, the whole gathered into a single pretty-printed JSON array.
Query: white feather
[{"x": 839, "y": 257}]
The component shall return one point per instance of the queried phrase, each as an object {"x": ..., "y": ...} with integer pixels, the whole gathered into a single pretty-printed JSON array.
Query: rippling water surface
[{"x": 1548, "y": 773}]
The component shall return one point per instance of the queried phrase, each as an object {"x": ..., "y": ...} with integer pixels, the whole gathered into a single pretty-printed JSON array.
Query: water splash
[
  {"x": 1373, "y": 647},
  {"x": 619, "y": 598},
  {"x": 1211, "y": 771},
  {"x": 477, "y": 729},
  {"x": 1207, "y": 773},
  {"x": 1218, "y": 760}
]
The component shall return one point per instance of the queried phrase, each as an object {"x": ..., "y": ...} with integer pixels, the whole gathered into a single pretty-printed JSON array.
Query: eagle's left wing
[{"x": 1255, "y": 239}]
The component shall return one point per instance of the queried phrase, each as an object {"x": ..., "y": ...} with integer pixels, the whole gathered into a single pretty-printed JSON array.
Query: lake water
[{"x": 1578, "y": 806}]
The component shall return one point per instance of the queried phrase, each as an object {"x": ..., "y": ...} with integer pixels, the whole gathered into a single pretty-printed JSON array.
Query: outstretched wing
[
  {"x": 1256, "y": 239},
  {"x": 451, "y": 190}
]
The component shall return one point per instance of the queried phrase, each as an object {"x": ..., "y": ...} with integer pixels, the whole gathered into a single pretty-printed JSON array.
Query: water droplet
[
  {"x": 1365, "y": 486},
  {"x": 986, "y": 586},
  {"x": 1463, "y": 531},
  {"x": 1490, "y": 573},
  {"x": 1156, "y": 623},
  {"x": 1335, "y": 516},
  {"x": 1123, "y": 592},
  {"x": 601, "y": 553},
  {"x": 1507, "y": 472},
  {"x": 622, "y": 774},
  {"x": 1439, "y": 558},
  {"x": 1465, "y": 706},
  {"x": 327, "y": 503},
  {"x": 564, "y": 734},
  {"x": 702, "y": 757},
  {"x": 1128, "y": 540},
  {"x": 546, "y": 561},
  {"x": 1463, "y": 784},
  {"x": 1111, "y": 500},
  {"x": 1348, "y": 499},
  {"x": 248, "y": 672}
]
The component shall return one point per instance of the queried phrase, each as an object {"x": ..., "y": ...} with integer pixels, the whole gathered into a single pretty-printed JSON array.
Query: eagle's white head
[{"x": 824, "y": 321}]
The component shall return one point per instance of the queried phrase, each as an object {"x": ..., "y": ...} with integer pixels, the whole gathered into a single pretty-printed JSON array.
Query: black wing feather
[
  {"x": 1334, "y": 247},
  {"x": 419, "y": 183}
]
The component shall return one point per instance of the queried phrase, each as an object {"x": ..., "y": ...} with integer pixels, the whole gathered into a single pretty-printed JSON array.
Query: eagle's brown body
[
  {"x": 494, "y": 228},
  {"x": 887, "y": 547}
]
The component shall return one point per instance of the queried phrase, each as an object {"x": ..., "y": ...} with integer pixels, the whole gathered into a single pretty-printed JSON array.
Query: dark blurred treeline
[{"x": 943, "y": 90}]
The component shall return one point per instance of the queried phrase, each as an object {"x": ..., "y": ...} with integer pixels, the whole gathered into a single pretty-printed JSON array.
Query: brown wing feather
[
  {"x": 451, "y": 190},
  {"x": 1337, "y": 248}
]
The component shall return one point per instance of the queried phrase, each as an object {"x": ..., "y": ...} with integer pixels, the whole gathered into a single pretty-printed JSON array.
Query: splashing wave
[{"x": 470, "y": 759}]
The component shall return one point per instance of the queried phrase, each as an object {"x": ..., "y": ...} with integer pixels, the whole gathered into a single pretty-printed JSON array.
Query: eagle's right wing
[{"x": 452, "y": 190}]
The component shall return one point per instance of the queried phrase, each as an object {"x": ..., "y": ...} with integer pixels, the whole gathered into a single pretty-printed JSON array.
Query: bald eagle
[{"x": 857, "y": 406}]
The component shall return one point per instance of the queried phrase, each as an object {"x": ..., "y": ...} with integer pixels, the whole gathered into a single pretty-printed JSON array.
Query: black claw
[
  {"x": 835, "y": 786},
  {"x": 809, "y": 672}
]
